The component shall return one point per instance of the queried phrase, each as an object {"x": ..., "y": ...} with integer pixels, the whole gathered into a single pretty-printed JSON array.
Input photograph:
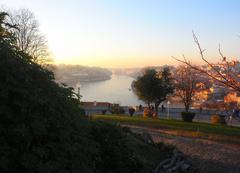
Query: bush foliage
[
  {"x": 131, "y": 111},
  {"x": 116, "y": 109},
  {"x": 188, "y": 116}
]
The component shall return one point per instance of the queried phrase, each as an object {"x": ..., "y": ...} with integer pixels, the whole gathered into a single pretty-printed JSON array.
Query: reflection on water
[{"x": 115, "y": 90}]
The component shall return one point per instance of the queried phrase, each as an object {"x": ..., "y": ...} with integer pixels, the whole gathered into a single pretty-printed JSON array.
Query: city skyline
[{"x": 129, "y": 34}]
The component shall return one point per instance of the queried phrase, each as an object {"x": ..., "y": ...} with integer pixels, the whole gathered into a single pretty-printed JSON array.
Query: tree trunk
[
  {"x": 187, "y": 106},
  {"x": 156, "y": 108}
]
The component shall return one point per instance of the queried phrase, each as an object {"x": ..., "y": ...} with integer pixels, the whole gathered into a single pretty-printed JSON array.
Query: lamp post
[
  {"x": 78, "y": 85},
  {"x": 168, "y": 103},
  {"x": 94, "y": 108}
]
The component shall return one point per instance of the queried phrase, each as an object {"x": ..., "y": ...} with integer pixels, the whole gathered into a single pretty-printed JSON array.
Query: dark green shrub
[
  {"x": 167, "y": 149},
  {"x": 104, "y": 112},
  {"x": 188, "y": 116},
  {"x": 116, "y": 109},
  {"x": 131, "y": 111},
  {"x": 82, "y": 111},
  {"x": 113, "y": 153}
]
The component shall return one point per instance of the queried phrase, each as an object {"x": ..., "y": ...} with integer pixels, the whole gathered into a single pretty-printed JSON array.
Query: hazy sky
[{"x": 132, "y": 33}]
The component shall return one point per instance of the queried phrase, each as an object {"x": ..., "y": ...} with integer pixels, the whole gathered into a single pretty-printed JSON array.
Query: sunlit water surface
[{"x": 115, "y": 90}]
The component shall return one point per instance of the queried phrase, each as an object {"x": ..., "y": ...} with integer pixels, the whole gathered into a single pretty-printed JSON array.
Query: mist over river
[{"x": 115, "y": 90}]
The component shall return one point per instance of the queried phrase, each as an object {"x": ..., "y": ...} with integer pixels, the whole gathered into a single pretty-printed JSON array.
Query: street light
[
  {"x": 78, "y": 85},
  {"x": 95, "y": 103},
  {"x": 168, "y": 103}
]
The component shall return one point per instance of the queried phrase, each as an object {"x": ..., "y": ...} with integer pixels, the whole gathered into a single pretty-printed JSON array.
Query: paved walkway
[
  {"x": 198, "y": 117},
  {"x": 208, "y": 156}
]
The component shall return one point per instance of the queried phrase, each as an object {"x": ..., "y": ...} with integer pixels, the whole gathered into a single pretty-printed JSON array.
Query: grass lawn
[{"x": 194, "y": 129}]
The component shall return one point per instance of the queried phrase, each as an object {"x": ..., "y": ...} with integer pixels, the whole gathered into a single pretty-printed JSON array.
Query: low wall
[{"x": 174, "y": 112}]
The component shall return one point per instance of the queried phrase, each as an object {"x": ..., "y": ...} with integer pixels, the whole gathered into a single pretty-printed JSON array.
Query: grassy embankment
[{"x": 180, "y": 128}]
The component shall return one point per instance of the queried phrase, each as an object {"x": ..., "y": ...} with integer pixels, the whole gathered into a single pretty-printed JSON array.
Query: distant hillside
[
  {"x": 135, "y": 72},
  {"x": 71, "y": 74}
]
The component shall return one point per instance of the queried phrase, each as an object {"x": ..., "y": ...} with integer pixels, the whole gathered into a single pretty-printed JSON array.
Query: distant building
[{"x": 232, "y": 97}]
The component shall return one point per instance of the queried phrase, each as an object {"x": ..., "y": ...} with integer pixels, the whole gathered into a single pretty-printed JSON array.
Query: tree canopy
[{"x": 154, "y": 86}]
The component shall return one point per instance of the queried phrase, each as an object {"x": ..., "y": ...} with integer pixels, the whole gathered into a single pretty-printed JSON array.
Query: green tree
[{"x": 154, "y": 86}]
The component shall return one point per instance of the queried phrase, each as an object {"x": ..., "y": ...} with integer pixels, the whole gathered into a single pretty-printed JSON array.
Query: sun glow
[{"x": 130, "y": 34}]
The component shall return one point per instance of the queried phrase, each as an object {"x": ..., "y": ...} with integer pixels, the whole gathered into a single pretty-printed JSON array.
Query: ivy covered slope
[{"x": 42, "y": 128}]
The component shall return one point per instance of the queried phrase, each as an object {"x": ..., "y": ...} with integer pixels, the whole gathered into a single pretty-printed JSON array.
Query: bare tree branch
[
  {"x": 222, "y": 73},
  {"x": 28, "y": 37}
]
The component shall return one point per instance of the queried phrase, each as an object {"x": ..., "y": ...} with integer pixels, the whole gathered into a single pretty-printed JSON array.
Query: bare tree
[
  {"x": 188, "y": 84},
  {"x": 28, "y": 37},
  {"x": 225, "y": 72}
]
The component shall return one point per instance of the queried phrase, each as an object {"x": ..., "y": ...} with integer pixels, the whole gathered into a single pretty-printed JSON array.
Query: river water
[{"x": 116, "y": 90}]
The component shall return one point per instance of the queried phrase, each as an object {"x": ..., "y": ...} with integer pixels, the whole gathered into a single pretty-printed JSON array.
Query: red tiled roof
[{"x": 98, "y": 104}]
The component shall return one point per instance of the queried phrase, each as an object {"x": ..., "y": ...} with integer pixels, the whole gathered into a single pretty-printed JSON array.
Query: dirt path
[{"x": 208, "y": 156}]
